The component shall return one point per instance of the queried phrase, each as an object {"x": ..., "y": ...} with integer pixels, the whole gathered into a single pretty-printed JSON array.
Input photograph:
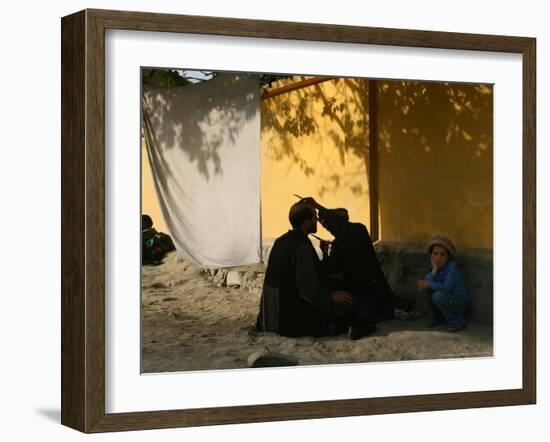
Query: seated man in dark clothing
[
  {"x": 295, "y": 300},
  {"x": 354, "y": 258}
]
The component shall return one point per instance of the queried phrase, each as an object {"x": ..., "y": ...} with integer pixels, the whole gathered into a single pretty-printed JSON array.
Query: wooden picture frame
[{"x": 83, "y": 220}]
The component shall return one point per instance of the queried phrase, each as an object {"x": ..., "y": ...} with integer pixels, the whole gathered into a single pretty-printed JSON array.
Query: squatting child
[{"x": 447, "y": 295}]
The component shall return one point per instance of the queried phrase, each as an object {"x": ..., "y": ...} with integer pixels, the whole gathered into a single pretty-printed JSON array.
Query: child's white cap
[{"x": 443, "y": 241}]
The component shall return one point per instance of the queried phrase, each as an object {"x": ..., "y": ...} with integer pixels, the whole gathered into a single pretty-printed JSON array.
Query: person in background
[
  {"x": 154, "y": 245},
  {"x": 447, "y": 295}
]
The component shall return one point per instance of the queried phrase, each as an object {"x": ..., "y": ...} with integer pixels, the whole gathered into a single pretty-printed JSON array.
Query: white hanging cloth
[{"x": 203, "y": 143}]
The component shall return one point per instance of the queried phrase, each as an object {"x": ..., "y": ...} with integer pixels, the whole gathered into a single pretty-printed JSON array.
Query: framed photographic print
[{"x": 198, "y": 154}]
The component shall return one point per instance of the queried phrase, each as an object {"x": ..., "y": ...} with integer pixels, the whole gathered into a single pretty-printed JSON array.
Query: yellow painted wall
[
  {"x": 149, "y": 201},
  {"x": 314, "y": 142},
  {"x": 436, "y": 162},
  {"x": 435, "y": 158}
]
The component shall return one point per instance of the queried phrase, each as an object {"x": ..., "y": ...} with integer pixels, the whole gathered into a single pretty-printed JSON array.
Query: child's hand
[
  {"x": 422, "y": 284},
  {"x": 435, "y": 269}
]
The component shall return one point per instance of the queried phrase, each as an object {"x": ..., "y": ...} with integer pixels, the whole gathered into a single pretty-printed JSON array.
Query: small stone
[
  {"x": 233, "y": 278},
  {"x": 265, "y": 358}
]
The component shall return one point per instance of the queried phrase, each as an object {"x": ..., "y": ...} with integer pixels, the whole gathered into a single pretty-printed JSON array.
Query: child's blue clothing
[
  {"x": 448, "y": 279},
  {"x": 449, "y": 294}
]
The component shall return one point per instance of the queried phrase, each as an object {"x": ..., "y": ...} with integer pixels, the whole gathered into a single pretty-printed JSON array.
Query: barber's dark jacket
[
  {"x": 354, "y": 257},
  {"x": 294, "y": 300}
]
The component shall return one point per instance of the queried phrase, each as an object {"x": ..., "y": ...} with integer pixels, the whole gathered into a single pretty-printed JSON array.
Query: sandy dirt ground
[{"x": 190, "y": 323}]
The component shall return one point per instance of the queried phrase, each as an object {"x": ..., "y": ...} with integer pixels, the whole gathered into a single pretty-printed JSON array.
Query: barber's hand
[
  {"x": 309, "y": 200},
  {"x": 422, "y": 284},
  {"x": 341, "y": 297}
]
